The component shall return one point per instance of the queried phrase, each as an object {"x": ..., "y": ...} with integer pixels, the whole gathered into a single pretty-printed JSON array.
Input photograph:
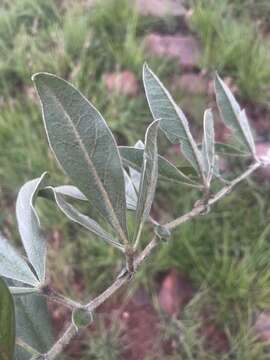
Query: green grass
[
  {"x": 234, "y": 47},
  {"x": 224, "y": 253}
]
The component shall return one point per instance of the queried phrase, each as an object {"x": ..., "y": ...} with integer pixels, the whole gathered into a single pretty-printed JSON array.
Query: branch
[{"x": 199, "y": 209}]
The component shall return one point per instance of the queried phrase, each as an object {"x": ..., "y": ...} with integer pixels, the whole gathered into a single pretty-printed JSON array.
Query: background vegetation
[{"x": 226, "y": 253}]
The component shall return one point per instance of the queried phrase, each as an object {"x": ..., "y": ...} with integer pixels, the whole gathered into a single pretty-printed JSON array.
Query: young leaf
[
  {"x": 13, "y": 266},
  {"x": 85, "y": 147},
  {"x": 135, "y": 174},
  {"x": 73, "y": 214},
  {"x": 208, "y": 144},
  {"x": 149, "y": 175},
  {"x": 173, "y": 121},
  {"x": 133, "y": 158},
  {"x": 32, "y": 324},
  {"x": 7, "y": 323},
  {"x": 232, "y": 115},
  {"x": 15, "y": 290},
  {"x": 131, "y": 194},
  {"x": 32, "y": 237},
  {"x": 71, "y": 191}
]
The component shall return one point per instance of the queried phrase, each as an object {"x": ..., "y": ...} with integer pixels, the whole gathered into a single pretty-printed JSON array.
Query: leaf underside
[{"x": 7, "y": 323}]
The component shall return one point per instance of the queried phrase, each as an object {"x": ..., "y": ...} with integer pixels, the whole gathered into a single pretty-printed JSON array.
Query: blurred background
[{"x": 206, "y": 293}]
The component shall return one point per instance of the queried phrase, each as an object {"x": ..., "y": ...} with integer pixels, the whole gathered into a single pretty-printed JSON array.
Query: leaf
[
  {"x": 85, "y": 147},
  {"x": 33, "y": 239},
  {"x": 228, "y": 150},
  {"x": 149, "y": 175},
  {"x": 133, "y": 158},
  {"x": 32, "y": 324},
  {"x": 22, "y": 290},
  {"x": 232, "y": 115},
  {"x": 7, "y": 323},
  {"x": 173, "y": 121},
  {"x": 71, "y": 191},
  {"x": 73, "y": 214},
  {"x": 13, "y": 266},
  {"x": 134, "y": 174},
  {"x": 208, "y": 144},
  {"x": 131, "y": 194}
]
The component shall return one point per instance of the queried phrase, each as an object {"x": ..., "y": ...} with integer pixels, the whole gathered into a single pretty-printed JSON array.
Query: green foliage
[{"x": 241, "y": 52}]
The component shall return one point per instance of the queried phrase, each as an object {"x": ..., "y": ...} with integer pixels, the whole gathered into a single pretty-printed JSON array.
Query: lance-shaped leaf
[
  {"x": 232, "y": 115},
  {"x": 173, "y": 121},
  {"x": 149, "y": 175},
  {"x": 208, "y": 144},
  {"x": 13, "y": 266},
  {"x": 33, "y": 325},
  {"x": 73, "y": 214},
  {"x": 7, "y": 323},
  {"x": 133, "y": 158},
  {"x": 85, "y": 147},
  {"x": 32, "y": 236}
]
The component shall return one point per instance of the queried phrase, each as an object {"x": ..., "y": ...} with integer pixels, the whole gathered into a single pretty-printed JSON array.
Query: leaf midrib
[{"x": 88, "y": 160}]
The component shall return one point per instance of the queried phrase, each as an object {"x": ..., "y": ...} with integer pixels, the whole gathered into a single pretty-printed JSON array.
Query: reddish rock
[
  {"x": 161, "y": 8},
  {"x": 190, "y": 83},
  {"x": 184, "y": 48},
  {"x": 263, "y": 153},
  {"x": 262, "y": 326},
  {"x": 124, "y": 83},
  {"x": 175, "y": 291},
  {"x": 215, "y": 338}
]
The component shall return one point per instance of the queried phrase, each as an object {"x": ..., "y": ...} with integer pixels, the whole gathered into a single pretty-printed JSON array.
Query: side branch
[{"x": 198, "y": 209}]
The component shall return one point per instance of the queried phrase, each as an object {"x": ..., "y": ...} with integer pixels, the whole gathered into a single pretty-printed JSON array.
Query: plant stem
[{"x": 199, "y": 209}]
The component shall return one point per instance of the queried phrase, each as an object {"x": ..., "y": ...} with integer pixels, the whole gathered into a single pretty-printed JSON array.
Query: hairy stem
[{"x": 198, "y": 209}]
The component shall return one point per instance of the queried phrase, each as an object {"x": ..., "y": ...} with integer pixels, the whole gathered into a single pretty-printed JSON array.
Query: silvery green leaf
[
  {"x": 85, "y": 147},
  {"x": 149, "y": 175},
  {"x": 232, "y": 115},
  {"x": 73, "y": 214},
  {"x": 133, "y": 158},
  {"x": 208, "y": 144},
  {"x": 33, "y": 239},
  {"x": 228, "y": 150},
  {"x": 173, "y": 120},
  {"x": 22, "y": 290},
  {"x": 13, "y": 266},
  {"x": 7, "y": 323},
  {"x": 135, "y": 175},
  {"x": 71, "y": 191},
  {"x": 32, "y": 324},
  {"x": 131, "y": 194}
]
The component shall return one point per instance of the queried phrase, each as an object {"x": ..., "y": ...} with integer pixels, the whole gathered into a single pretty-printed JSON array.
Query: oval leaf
[
  {"x": 149, "y": 175},
  {"x": 7, "y": 323},
  {"x": 84, "y": 147},
  {"x": 173, "y": 121},
  {"x": 13, "y": 266},
  {"x": 232, "y": 115},
  {"x": 33, "y": 239}
]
